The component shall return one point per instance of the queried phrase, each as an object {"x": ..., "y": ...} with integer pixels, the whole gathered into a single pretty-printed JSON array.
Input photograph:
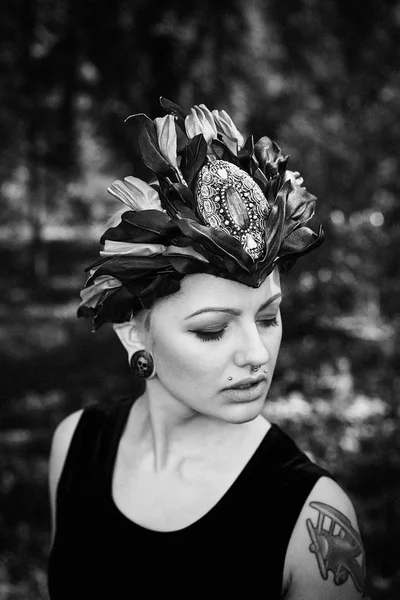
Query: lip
[
  {"x": 249, "y": 394},
  {"x": 246, "y": 381}
]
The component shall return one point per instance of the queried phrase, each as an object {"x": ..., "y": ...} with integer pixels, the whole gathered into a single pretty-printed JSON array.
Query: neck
[{"x": 173, "y": 432}]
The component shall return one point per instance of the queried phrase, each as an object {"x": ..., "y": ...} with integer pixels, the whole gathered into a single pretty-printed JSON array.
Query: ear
[{"x": 129, "y": 337}]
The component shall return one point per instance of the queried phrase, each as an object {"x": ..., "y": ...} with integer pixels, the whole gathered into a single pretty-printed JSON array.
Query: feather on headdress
[{"x": 216, "y": 205}]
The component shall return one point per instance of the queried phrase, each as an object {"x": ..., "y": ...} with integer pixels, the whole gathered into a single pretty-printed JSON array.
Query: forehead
[{"x": 200, "y": 290}]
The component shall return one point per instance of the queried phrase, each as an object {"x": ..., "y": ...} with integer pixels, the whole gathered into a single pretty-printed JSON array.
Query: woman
[{"x": 188, "y": 490}]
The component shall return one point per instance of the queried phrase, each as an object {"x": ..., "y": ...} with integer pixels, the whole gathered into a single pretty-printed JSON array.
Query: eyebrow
[{"x": 233, "y": 311}]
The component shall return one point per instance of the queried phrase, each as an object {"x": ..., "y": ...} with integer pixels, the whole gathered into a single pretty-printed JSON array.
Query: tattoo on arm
[{"x": 337, "y": 546}]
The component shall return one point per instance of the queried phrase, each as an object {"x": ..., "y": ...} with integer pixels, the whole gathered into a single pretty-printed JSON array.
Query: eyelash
[{"x": 213, "y": 336}]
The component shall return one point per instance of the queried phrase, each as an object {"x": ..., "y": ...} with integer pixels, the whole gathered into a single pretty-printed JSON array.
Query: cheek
[
  {"x": 272, "y": 341},
  {"x": 276, "y": 349},
  {"x": 186, "y": 357},
  {"x": 277, "y": 339}
]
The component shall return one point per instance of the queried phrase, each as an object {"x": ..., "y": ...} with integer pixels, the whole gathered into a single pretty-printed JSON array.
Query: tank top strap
[
  {"x": 278, "y": 480},
  {"x": 289, "y": 467},
  {"x": 292, "y": 475},
  {"x": 90, "y": 457}
]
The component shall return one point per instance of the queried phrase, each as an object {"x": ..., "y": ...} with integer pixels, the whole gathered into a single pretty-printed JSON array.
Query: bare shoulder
[
  {"x": 59, "y": 447},
  {"x": 325, "y": 557}
]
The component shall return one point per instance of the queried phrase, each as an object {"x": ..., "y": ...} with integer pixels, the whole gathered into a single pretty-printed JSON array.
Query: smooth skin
[{"x": 187, "y": 439}]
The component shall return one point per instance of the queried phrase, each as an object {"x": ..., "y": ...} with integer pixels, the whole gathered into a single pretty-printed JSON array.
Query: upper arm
[
  {"x": 325, "y": 558},
  {"x": 59, "y": 448}
]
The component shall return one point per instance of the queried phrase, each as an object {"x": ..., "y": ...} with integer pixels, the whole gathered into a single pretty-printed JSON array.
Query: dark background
[{"x": 323, "y": 80}]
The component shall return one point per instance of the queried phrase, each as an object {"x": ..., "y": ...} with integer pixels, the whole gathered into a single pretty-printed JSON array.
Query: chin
[{"x": 243, "y": 412}]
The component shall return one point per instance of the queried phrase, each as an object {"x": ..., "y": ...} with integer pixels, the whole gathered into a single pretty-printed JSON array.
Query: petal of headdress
[
  {"x": 184, "y": 251},
  {"x": 178, "y": 200},
  {"x": 159, "y": 286},
  {"x": 300, "y": 207},
  {"x": 207, "y": 116},
  {"x": 92, "y": 294},
  {"x": 273, "y": 231},
  {"x": 136, "y": 194},
  {"x": 145, "y": 132},
  {"x": 270, "y": 158},
  {"x": 148, "y": 226},
  {"x": 225, "y": 126},
  {"x": 193, "y": 157},
  {"x": 218, "y": 245},
  {"x": 112, "y": 248},
  {"x": 179, "y": 117},
  {"x": 167, "y": 139},
  {"x": 175, "y": 110},
  {"x": 118, "y": 306},
  {"x": 201, "y": 121},
  {"x": 299, "y": 242},
  {"x": 151, "y": 220},
  {"x": 128, "y": 268},
  {"x": 222, "y": 151}
]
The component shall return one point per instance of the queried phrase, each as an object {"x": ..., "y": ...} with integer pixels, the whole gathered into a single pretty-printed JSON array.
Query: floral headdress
[{"x": 215, "y": 205}]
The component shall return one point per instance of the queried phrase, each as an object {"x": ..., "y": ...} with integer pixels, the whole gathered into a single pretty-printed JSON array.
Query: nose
[{"x": 252, "y": 349}]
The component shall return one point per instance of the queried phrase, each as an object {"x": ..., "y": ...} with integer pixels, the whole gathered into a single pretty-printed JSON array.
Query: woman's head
[{"x": 209, "y": 336}]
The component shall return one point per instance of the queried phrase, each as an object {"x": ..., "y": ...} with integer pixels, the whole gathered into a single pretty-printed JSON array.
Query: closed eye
[
  {"x": 209, "y": 336},
  {"x": 269, "y": 322}
]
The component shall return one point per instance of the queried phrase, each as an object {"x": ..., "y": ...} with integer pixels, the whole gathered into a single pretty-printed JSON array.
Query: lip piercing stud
[{"x": 265, "y": 371}]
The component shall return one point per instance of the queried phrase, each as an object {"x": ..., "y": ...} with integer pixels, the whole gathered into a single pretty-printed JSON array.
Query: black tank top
[{"x": 236, "y": 550}]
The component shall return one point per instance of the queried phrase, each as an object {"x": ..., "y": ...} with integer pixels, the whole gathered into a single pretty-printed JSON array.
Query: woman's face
[{"x": 213, "y": 330}]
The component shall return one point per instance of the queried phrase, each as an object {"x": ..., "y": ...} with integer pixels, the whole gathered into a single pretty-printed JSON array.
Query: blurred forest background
[{"x": 323, "y": 80}]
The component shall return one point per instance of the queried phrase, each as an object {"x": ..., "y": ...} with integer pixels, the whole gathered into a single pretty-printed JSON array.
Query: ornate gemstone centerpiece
[{"x": 230, "y": 200}]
